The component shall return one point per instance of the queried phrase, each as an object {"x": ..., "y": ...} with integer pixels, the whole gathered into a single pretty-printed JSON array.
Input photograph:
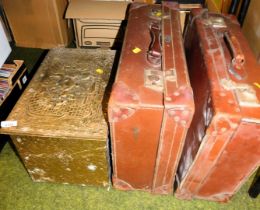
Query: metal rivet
[
  {"x": 115, "y": 119},
  {"x": 176, "y": 93},
  {"x": 168, "y": 99},
  {"x": 183, "y": 122},
  {"x": 185, "y": 113},
  {"x": 172, "y": 112},
  {"x": 214, "y": 133},
  {"x": 223, "y": 130},
  {"x": 116, "y": 110},
  {"x": 176, "y": 119},
  {"x": 124, "y": 116},
  {"x": 234, "y": 125},
  {"x": 135, "y": 98}
]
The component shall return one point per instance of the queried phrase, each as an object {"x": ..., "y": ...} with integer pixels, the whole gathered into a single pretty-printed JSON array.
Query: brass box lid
[{"x": 65, "y": 97}]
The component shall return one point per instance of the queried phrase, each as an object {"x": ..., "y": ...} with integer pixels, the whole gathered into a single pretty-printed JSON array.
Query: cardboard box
[
  {"x": 37, "y": 23},
  {"x": 98, "y": 23},
  {"x": 185, "y": 12}
]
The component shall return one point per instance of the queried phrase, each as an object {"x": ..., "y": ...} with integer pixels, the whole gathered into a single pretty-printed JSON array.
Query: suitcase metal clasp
[
  {"x": 170, "y": 75},
  {"x": 153, "y": 79},
  {"x": 245, "y": 93},
  {"x": 216, "y": 22}
]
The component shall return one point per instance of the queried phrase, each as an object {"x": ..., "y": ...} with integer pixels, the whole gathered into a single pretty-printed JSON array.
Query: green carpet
[{"x": 18, "y": 191}]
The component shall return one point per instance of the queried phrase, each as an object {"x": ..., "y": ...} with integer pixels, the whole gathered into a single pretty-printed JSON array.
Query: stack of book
[
  {"x": 4, "y": 85},
  {"x": 10, "y": 74}
]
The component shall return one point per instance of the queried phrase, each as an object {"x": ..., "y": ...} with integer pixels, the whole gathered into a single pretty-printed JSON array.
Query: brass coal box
[{"x": 58, "y": 125}]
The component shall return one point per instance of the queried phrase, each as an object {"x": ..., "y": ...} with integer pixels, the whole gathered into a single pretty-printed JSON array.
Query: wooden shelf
[{"x": 14, "y": 85}]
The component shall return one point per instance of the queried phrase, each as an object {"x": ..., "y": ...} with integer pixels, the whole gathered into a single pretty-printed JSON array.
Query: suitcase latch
[
  {"x": 245, "y": 93},
  {"x": 153, "y": 79},
  {"x": 216, "y": 22},
  {"x": 170, "y": 75}
]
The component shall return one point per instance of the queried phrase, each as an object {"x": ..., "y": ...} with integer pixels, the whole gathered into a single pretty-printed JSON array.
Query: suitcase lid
[
  {"x": 66, "y": 96},
  {"x": 232, "y": 68},
  {"x": 142, "y": 81}
]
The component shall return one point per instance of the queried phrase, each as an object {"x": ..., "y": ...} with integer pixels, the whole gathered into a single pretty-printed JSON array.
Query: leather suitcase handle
[
  {"x": 238, "y": 58},
  {"x": 155, "y": 52},
  {"x": 237, "y": 54}
]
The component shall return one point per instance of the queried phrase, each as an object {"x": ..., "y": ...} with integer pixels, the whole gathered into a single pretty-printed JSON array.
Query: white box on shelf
[{"x": 5, "y": 48}]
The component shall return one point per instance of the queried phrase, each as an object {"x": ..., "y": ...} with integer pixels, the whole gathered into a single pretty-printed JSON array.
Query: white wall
[{"x": 5, "y": 48}]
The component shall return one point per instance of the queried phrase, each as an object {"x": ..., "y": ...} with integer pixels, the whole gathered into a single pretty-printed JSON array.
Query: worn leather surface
[
  {"x": 222, "y": 147},
  {"x": 151, "y": 103}
]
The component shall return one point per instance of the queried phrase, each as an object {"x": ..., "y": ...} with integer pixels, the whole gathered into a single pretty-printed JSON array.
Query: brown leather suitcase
[
  {"x": 58, "y": 124},
  {"x": 222, "y": 148},
  {"x": 151, "y": 104}
]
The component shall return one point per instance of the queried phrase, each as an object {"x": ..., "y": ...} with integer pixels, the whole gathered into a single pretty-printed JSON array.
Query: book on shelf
[{"x": 11, "y": 75}]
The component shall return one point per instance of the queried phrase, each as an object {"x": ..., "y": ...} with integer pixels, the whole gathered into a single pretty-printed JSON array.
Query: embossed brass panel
[{"x": 65, "y": 160}]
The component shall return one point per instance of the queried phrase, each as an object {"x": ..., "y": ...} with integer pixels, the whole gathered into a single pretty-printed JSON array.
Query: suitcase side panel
[
  {"x": 64, "y": 160},
  {"x": 202, "y": 141},
  {"x": 218, "y": 135},
  {"x": 173, "y": 133},
  {"x": 237, "y": 162},
  {"x": 136, "y": 104},
  {"x": 134, "y": 147},
  {"x": 178, "y": 101},
  {"x": 203, "y": 177},
  {"x": 202, "y": 100}
]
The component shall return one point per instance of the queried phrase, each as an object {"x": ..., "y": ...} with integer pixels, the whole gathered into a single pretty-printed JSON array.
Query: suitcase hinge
[{"x": 216, "y": 22}]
